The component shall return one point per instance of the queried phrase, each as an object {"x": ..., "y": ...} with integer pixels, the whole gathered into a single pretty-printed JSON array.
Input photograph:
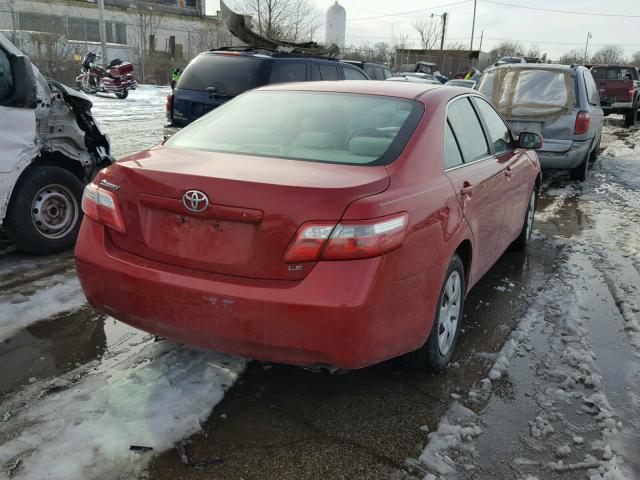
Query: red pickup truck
[{"x": 619, "y": 87}]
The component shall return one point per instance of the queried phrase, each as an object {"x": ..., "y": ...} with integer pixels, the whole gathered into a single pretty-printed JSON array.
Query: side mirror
[
  {"x": 24, "y": 94},
  {"x": 530, "y": 140}
]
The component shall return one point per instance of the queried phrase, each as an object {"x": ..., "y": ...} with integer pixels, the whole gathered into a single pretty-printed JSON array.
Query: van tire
[
  {"x": 580, "y": 172},
  {"x": 59, "y": 193},
  {"x": 429, "y": 356}
]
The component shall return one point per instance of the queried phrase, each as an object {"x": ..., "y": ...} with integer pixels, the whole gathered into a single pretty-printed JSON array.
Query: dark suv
[{"x": 214, "y": 77}]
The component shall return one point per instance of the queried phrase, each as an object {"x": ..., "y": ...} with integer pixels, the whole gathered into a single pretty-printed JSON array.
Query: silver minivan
[{"x": 560, "y": 102}]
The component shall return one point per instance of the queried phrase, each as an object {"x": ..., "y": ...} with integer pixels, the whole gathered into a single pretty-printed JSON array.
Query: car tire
[
  {"x": 580, "y": 172},
  {"x": 522, "y": 241},
  {"x": 593, "y": 156},
  {"x": 631, "y": 116},
  {"x": 122, "y": 95},
  {"x": 437, "y": 351},
  {"x": 44, "y": 215}
]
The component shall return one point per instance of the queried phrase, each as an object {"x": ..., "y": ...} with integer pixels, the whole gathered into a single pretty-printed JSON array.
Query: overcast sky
[{"x": 553, "y": 32}]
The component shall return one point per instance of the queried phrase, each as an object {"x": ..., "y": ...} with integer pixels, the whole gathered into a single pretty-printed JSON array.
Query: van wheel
[
  {"x": 44, "y": 214},
  {"x": 593, "y": 156},
  {"x": 580, "y": 172},
  {"x": 438, "y": 350}
]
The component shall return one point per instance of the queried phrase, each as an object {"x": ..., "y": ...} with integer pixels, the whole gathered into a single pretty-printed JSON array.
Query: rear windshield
[
  {"x": 228, "y": 74},
  {"x": 314, "y": 126},
  {"x": 535, "y": 92},
  {"x": 613, "y": 73}
]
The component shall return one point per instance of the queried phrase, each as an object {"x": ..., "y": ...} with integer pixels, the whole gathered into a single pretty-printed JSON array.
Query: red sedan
[{"x": 330, "y": 224}]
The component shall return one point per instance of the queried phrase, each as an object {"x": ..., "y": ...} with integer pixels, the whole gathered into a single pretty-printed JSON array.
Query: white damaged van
[{"x": 50, "y": 147}]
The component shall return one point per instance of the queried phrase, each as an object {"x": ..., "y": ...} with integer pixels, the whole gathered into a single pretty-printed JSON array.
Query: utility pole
[
  {"x": 473, "y": 24},
  {"x": 444, "y": 30},
  {"x": 586, "y": 47},
  {"x": 103, "y": 31}
]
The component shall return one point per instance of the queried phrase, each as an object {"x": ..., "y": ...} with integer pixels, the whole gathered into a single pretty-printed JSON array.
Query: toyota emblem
[{"x": 195, "y": 201}]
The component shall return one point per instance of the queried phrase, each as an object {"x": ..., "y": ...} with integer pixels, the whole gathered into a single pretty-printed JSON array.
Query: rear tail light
[
  {"x": 583, "y": 120},
  {"x": 348, "y": 240},
  {"x": 102, "y": 206},
  {"x": 630, "y": 93},
  {"x": 170, "y": 107}
]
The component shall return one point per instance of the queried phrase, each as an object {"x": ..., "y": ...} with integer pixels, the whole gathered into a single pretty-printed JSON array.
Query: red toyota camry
[{"x": 329, "y": 224}]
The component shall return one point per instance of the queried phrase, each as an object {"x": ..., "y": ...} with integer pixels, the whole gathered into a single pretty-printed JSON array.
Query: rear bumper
[
  {"x": 618, "y": 107},
  {"x": 343, "y": 314},
  {"x": 565, "y": 160}
]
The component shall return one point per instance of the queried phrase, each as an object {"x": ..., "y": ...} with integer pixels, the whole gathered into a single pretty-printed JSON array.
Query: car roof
[
  {"x": 407, "y": 90},
  {"x": 264, "y": 54}
]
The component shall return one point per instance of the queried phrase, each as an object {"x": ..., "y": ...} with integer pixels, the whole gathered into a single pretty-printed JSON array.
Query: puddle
[{"x": 53, "y": 347}]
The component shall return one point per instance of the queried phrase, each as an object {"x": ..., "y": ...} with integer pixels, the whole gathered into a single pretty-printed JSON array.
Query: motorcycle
[{"x": 117, "y": 78}]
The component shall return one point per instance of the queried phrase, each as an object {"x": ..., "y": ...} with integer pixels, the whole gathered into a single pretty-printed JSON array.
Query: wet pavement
[{"x": 576, "y": 289}]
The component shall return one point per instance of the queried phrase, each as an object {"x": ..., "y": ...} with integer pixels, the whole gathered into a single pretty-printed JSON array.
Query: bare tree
[
  {"x": 288, "y": 20},
  {"x": 50, "y": 51},
  {"x": 459, "y": 46},
  {"x": 507, "y": 48},
  {"x": 400, "y": 42},
  {"x": 572, "y": 57},
  {"x": 635, "y": 58},
  {"x": 609, "y": 54},
  {"x": 429, "y": 31},
  {"x": 211, "y": 36},
  {"x": 534, "y": 51}
]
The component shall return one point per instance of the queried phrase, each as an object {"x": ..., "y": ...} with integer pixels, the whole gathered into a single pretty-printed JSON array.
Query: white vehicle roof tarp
[{"x": 529, "y": 92}]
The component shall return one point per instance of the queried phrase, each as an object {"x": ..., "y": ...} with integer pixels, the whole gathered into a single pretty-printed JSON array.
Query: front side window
[
  {"x": 6, "y": 80},
  {"x": 387, "y": 73},
  {"x": 299, "y": 125},
  {"x": 497, "y": 131},
  {"x": 283, "y": 72},
  {"x": 467, "y": 130}
]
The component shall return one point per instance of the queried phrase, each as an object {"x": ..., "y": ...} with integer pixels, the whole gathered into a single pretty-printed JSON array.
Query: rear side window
[
  {"x": 467, "y": 130},
  {"x": 328, "y": 127},
  {"x": 283, "y": 72},
  {"x": 592, "y": 90},
  {"x": 328, "y": 72},
  {"x": 353, "y": 74},
  {"x": 496, "y": 129},
  {"x": 452, "y": 157},
  {"x": 228, "y": 74}
]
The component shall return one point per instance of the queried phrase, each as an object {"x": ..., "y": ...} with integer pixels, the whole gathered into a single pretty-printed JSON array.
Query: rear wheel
[
  {"x": 522, "y": 241},
  {"x": 438, "y": 350},
  {"x": 593, "y": 156},
  {"x": 580, "y": 172},
  {"x": 44, "y": 214},
  {"x": 122, "y": 95},
  {"x": 631, "y": 116}
]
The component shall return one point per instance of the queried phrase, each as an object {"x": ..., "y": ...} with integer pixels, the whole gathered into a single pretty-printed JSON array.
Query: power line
[
  {"x": 570, "y": 12},
  {"x": 410, "y": 12}
]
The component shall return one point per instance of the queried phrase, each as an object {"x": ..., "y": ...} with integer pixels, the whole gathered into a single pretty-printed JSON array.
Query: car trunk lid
[{"x": 256, "y": 206}]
